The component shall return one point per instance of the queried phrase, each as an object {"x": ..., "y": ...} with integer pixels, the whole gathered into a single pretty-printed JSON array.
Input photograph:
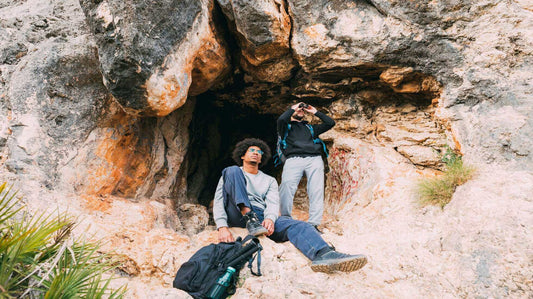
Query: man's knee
[
  {"x": 231, "y": 170},
  {"x": 290, "y": 182}
]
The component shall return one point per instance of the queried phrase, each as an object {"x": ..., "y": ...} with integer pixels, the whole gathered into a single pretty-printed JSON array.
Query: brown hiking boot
[{"x": 332, "y": 261}]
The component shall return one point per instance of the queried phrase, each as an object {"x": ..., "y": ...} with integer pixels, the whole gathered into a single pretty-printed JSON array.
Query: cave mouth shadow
[
  {"x": 214, "y": 130},
  {"x": 364, "y": 107}
]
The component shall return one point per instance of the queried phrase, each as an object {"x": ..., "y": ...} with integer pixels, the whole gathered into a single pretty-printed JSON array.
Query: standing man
[
  {"x": 303, "y": 151},
  {"x": 247, "y": 197}
]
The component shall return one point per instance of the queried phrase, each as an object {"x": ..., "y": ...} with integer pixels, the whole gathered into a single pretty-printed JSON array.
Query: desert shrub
[
  {"x": 439, "y": 190},
  {"x": 40, "y": 259}
]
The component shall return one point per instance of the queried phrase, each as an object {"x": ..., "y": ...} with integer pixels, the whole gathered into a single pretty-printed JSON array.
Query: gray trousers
[{"x": 293, "y": 170}]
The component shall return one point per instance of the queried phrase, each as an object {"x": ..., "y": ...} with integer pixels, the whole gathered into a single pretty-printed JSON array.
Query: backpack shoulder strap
[
  {"x": 317, "y": 140},
  {"x": 283, "y": 140},
  {"x": 310, "y": 127},
  {"x": 250, "y": 262},
  {"x": 289, "y": 126}
]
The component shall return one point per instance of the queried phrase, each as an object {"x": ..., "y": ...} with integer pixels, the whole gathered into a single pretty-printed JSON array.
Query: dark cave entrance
[
  {"x": 386, "y": 106},
  {"x": 214, "y": 130}
]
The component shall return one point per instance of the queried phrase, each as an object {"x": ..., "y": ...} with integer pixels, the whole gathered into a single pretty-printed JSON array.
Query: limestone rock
[
  {"x": 263, "y": 32},
  {"x": 151, "y": 55},
  {"x": 352, "y": 49},
  {"x": 166, "y": 216},
  {"x": 420, "y": 155},
  {"x": 194, "y": 217},
  {"x": 396, "y": 125},
  {"x": 131, "y": 156},
  {"x": 404, "y": 80},
  {"x": 55, "y": 92}
]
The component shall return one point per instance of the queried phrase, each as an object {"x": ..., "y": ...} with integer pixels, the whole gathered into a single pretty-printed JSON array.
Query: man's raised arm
[{"x": 327, "y": 123}]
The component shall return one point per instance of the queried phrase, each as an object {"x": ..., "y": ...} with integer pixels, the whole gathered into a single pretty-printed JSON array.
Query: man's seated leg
[
  {"x": 305, "y": 237},
  {"x": 237, "y": 204}
]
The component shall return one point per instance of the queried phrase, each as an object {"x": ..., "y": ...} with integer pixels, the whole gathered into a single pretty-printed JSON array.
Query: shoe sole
[
  {"x": 343, "y": 265},
  {"x": 259, "y": 233}
]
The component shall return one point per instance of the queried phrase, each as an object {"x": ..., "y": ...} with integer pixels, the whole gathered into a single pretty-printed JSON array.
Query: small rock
[
  {"x": 407, "y": 108},
  {"x": 193, "y": 217},
  {"x": 420, "y": 155}
]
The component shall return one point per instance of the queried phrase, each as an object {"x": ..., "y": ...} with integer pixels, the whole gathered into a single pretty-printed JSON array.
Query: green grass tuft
[{"x": 439, "y": 190}]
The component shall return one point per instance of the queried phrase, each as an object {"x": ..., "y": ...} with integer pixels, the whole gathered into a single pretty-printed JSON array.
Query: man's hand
[
  {"x": 224, "y": 235},
  {"x": 269, "y": 225},
  {"x": 311, "y": 109}
]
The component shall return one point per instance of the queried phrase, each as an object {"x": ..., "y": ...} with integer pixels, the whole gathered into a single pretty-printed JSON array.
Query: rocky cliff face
[{"x": 126, "y": 111}]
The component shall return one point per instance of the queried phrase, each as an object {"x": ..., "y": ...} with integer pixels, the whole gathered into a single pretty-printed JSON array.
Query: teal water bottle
[{"x": 217, "y": 291}]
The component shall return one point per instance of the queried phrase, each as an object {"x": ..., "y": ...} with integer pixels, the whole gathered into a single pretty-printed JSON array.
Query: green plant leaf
[
  {"x": 39, "y": 256},
  {"x": 439, "y": 190}
]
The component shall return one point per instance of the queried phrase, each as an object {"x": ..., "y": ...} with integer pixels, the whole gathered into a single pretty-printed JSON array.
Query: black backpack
[{"x": 201, "y": 271}]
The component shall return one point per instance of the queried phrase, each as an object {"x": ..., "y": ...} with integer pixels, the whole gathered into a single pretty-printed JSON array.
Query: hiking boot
[
  {"x": 253, "y": 225},
  {"x": 332, "y": 260}
]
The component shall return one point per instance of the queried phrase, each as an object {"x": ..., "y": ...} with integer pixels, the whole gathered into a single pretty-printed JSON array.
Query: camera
[{"x": 303, "y": 105}]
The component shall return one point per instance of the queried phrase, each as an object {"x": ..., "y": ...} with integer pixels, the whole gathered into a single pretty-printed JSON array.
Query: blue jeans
[{"x": 301, "y": 234}]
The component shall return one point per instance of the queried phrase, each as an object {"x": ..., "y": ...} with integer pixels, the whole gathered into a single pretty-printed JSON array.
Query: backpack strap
[
  {"x": 246, "y": 239},
  {"x": 279, "y": 158},
  {"x": 250, "y": 262},
  {"x": 283, "y": 141},
  {"x": 317, "y": 140},
  {"x": 245, "y": 253},
  {"x": 312, "y": 130}
]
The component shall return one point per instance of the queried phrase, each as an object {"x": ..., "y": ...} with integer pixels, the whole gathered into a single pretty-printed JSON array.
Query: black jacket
[{"x": 299, "y": 140}]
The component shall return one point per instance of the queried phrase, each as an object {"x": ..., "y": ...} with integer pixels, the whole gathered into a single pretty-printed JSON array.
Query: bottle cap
[{"x": 231, "y": 269}]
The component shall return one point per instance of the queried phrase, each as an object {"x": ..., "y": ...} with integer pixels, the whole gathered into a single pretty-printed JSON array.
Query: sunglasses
[{"x": 253, "y": 150}]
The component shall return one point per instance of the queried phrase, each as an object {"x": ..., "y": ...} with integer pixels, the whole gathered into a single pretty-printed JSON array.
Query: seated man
[{"x": 246, "y": 197}]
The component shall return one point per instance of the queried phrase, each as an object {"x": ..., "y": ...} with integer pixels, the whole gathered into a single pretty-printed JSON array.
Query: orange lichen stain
[
  {"x": 409, "y": 87},
  {"x": 172, "y": 90},
  {"x": 210, "y": 64},
  {"x": 428, "y": 172},
  {"x": 96, "y": 202},
  {"x": 456, "y": 142},
  {"x": 121, "y": 163},
  {"x": 312, "y": 32},
  {"x": 380, "y": 193}
]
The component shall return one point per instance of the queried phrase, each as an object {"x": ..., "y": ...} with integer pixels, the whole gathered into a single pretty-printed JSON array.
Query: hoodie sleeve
[
  {"x": 327, "y": 123},
  {"x": 283, "y": 120},
  {"x": 219, "y": 213}
]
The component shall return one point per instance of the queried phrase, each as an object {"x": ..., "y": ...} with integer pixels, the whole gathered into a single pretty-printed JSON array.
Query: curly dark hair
[{"x": 244, "y": 145}]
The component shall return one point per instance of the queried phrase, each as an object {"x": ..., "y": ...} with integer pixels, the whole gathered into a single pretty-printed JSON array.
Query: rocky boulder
[
  {"x": 194, "y": 217},
  {"x": 154, "y": 56},
  {"x": 263, "y": 34},
  {"x": 51, "y": 93}
]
